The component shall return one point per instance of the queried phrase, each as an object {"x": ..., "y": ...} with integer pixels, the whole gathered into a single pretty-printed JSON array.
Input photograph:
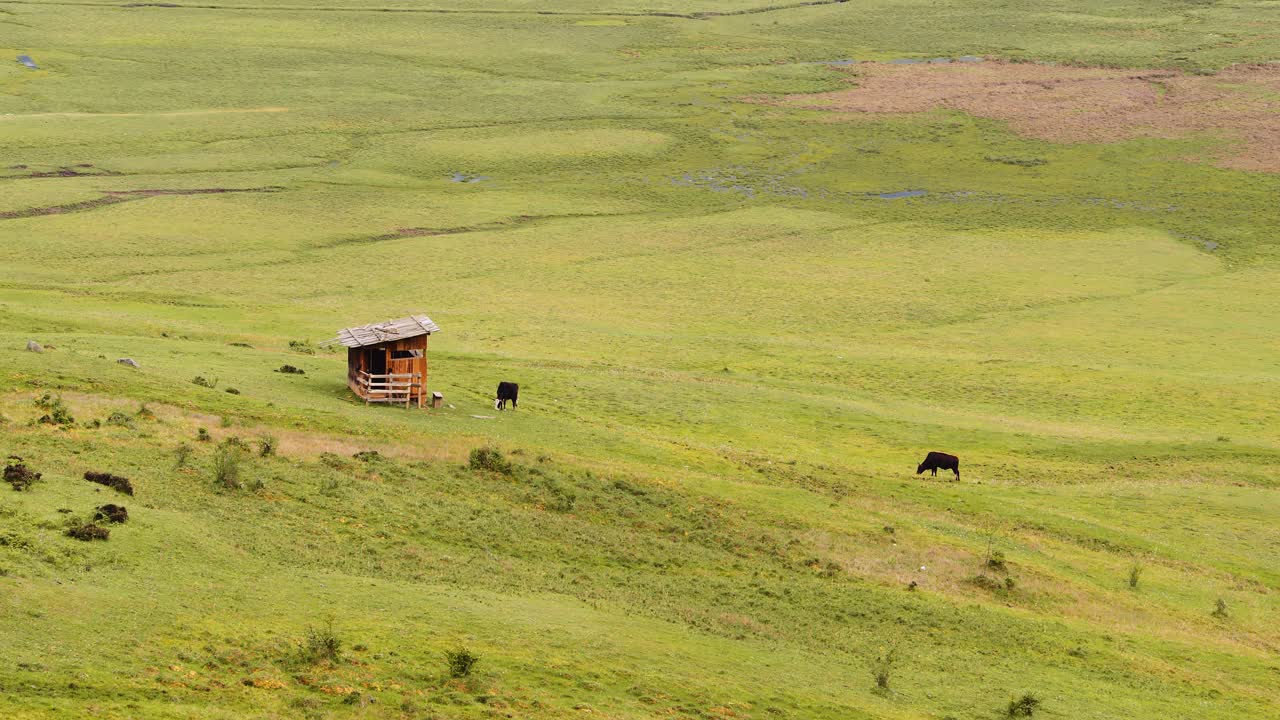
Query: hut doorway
[{"x": 376, "y": 361}]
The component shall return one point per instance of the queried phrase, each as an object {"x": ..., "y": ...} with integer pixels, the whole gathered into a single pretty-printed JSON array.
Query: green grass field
[{"x": 732, "y": 354}]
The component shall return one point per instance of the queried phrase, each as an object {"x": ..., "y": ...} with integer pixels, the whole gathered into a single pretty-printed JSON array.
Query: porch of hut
[{"x": 387, "y": 362}]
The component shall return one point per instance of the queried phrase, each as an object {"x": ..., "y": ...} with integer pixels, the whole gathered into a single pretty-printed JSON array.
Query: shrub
[
  {"x": 461, "y": 662},
  {"x": 301, "y": 346},
  {"x": 1135, "y": 574},
  {"x": 986, "y": 583},
  {"x": 56, "y": 412},
  {"x": 88, "y": 532},
  {"x": 119, "y": 419},
  {"x": 291, "y": 370},
  {"x": 226, "y": 466},
  {"x": 1024, "y": 706},
  {"x": 1220, "y": 609},
  {"x": 115, "y": 482},
  {"x": 996, "y": 561},
  {"x": 882, "y": 668},
  {"x": 20, "y": 476},
  {"x": 144, "y": 412},
  {"x": 490, "y": 459},
  {"x": 181, "y": 455},
  {"x": 267, "y": 445},
  {"x": 367, "y": 455},
  {"x": 205, "y": 383},
  {"x": 111, "y": 513},
  {"x": 321, "y": 644},
  {"x": 202, "y": 435}
]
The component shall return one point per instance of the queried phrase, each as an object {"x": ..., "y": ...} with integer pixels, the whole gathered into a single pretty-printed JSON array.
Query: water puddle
[{"x": 27, "y": 61}]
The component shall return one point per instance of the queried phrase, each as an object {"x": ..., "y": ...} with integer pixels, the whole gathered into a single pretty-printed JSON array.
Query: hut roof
[{"x": 377, "y": 333}]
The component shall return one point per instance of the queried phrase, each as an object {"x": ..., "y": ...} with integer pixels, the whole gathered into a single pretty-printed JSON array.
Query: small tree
[{"x": 882, "y": 668}]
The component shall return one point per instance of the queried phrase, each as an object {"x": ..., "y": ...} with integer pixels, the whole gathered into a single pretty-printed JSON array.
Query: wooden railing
[{"x": 388, "y": 388}]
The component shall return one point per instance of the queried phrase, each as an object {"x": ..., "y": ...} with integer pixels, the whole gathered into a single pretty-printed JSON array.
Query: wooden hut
[{"x": 387, "y": 362}]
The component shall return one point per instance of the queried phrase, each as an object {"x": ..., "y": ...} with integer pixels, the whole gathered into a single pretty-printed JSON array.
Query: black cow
[
  {"x": 940, "y": 461},
  {"x": 507, "y": 391}
]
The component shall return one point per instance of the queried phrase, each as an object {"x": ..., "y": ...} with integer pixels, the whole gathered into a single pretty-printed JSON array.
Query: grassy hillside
[{"x": 735, "y": 337}]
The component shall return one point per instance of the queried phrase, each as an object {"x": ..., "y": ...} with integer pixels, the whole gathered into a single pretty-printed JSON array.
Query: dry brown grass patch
[{"x": 1074, "y": 104}]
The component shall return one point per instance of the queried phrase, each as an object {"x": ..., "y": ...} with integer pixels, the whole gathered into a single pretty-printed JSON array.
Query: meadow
[{"x": 739, "y": 311}]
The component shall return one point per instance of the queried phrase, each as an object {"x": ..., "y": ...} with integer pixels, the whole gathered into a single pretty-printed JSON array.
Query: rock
[
  {"x": 33, "y": 346},
  {"x": 129, "y": 361}
]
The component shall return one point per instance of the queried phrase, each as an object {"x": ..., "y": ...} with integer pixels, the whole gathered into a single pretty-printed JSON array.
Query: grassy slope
[{"x": 731, "y": 358}]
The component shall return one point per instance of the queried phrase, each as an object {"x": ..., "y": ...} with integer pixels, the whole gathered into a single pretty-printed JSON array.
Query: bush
[
  {"x": 202, "y": 435},
  {"x": 56, "y": 412},
  {"x": 301, "y": 346},
  {"x": 996, "y": 561},
  {"x": 115, "y": 482},
  {"x": 267, "y": 445},
  {"x": 1220, "y": 610},
  {"x": 882, "y": 668},
  {"x": 461, "y": 662},
  {"x": 144, "y": 412},
  {"x": 88, "y": 532},
  {"x": 490, "y": 459},
  {"x": 226, "y": 466},
  {"x": 20, "y": 476},
  {"x": 111, "y": 513},
  {"x": 205, "y": 383},
  {"x": 321, "y": 644},
  {"x": 986, "y": 583},
  {"x": 119, "y": 419},
  {"x": 1024, "y": 706},
  {"x": 181, "y": 455},
  {"x": 291, "y": 370},
  {"x": 1135, "y": 574}
]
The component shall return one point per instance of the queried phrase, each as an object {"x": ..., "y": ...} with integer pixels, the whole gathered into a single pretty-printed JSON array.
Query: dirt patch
[
  {"x": 114, "y": 197},
  {"x": 114, "y": 482},
  {"x": 88, "y": 532},
  {"x": 80, "y": 170},
  {"x": 111, "y": 513},
  {"x": 1072, "y": 104},
  {"x": 20, "y": 476}
]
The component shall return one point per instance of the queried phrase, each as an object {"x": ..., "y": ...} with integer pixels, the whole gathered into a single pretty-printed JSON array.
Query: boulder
[
  {"x": 33, "y": 346},
  {"x": 129, "y": 361}
]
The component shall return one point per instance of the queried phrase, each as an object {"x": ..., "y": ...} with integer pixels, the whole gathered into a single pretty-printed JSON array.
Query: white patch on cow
[{"x": 496, "y": 403}]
